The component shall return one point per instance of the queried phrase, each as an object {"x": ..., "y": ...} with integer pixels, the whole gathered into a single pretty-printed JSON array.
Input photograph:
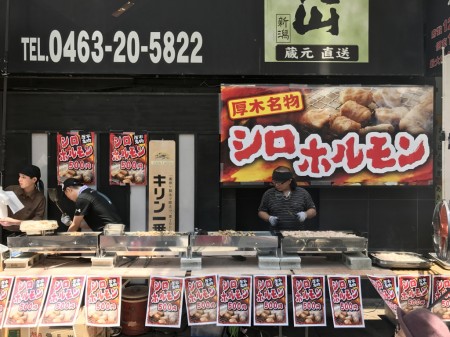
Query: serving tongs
[{"x": 53, "y": 195}]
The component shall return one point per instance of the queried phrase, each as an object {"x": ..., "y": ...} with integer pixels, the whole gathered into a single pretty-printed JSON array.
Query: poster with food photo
[
  {"x": 103, "y": 300},
  {"x": 76, "y": 156},
  {"x": 235, "y": 297},
  {"x": 63, "y": 301},
  {"x": 308, "y": 300},
  {"x": 386, "y": 286},
  {"x": 128, "y": 158},
  {"x": 6, "y": 283},
  {"x": 414, "y": 292},
  {"x": 270, "y": 300},
  {"x": 441, "y": 296},
  {"x": 27, "y": 301},
  {"x": 346, "y": 301},
  {"x": 165, "y": 302},
  {"x": 201, "y": 299}
]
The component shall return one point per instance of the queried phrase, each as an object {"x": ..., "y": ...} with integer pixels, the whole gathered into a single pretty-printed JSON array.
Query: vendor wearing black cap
[
  {"x": 286, "y": 206},
  {"x": 30, "y": 193},
  {"x": 90, "y": 205}
]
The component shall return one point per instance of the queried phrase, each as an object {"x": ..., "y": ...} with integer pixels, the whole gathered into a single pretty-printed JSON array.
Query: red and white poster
[
  {"x": 201, "y": 299},
  {"x": 165, "y": 302},
  {"x": 270, "y": 298},
  {"x": 63, "y": 301},
  {"x": 128, "y": 158},
  {"x": 441, "y": 294},
  {"x": 386, "y": 286},
  {"x": 235, "y": 300},
  {"x": 346, "y": 301},
  {"x": 76, "y": 156},
  {"x": 103, "y": 300},
  {"x": 414, "y": 292},
  {"x": 6, "y": 283},
  {"x": 308, "y": 300},
  {"x": 327, "y": 135},
  {"x": 27, "y": 301}
]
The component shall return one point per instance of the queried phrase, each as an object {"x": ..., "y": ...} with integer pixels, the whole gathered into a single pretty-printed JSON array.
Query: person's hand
[
  {"x": 273, "y": 220},
  {"x": 65, "y": 219},
  {"x": 301, "y": 216},
  {"x": 6, "y": 222}
]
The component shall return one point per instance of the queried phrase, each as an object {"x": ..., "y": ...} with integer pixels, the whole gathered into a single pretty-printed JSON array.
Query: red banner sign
[
  {"x": 235, "y": 296},
  {"x": 270, "y": 300},
  {"x": 441, "y": 294},
  {"x": 201, "y": 299},
  {"x": 308, "y": 300},
  {"x": 414, "y": 292},
  {"x": 386, "y": 286},
  {"x": 103, "y": 300}
]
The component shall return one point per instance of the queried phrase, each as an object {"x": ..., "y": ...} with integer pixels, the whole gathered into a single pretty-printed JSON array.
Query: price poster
[
  {"x": 308, "y": 300},
  {"x": 414, "y": 291},
  {"x": 26, "y": 301},
  {"x": 103, "y": 299},
  {"x": 128, "y": 158},
  {"x": 270, "y": 300},
  {"x": 201, "y": 299},
  {"x": 346, "y": 304},
  {"x": 235, "y": 294},
  {"x": 165, "y": 302},
  {"x": 6, "y": 283},
  {"x": 386, "y": 286},
  {"x": 63, "y": 301},
  {"x": 441, "y": 293},
  {"x": 76, "y": 156}
]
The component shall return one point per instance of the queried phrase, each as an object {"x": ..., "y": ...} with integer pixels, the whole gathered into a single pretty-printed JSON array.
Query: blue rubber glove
[
  {"x": 301, "y": 216},
  {"x": 273, "y": 220},
  {"x": 65, "y": 219}
]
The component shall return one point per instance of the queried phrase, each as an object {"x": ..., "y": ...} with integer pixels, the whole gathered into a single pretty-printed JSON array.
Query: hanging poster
[
  {"x": 270, "y": 300},
  {"x": 235, "y": 296},
  {"x": 441, "y": 294},
  {"x": 63, "y": 301},
  {"x": 76, "y": 156},
  {"x": 6, "y": 283},
  {"x": 414, "y": 292},
  {"x": 308, "y": 300},
  {"x": 162, "y": 185},
  {"x": 27, "y": 301},
  {"x": 165, "y": 302},
  {"x": 201, "y": 299},
  {"x": 386, "y": 286},
  {"x": 327, "y": 135},
  {"x": 346, "y": 301},
  {"x": 103, "y": 300},
  {"x": 128, "y": 158}
]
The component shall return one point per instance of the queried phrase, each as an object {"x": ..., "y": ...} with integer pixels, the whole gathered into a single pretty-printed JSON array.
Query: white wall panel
[{"x": 186, "y": 174}]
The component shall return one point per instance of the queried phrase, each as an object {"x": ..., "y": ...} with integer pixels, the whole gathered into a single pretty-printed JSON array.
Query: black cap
[
  {"x": 31, "y": 171},
  {"x": 71, "y": 182}
]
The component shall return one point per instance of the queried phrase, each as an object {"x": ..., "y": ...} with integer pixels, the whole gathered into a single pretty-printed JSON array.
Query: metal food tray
[
  {"x": 134, "y": 244},
  {"x": 291, "y": 244},
  {"x": 425, "y": 264},
  {"x": 217, "y": 244},
  {"x": 86, "y": 242}
]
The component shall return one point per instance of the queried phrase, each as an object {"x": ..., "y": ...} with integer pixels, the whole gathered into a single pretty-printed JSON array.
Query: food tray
[{"x": 407, "y": 260}]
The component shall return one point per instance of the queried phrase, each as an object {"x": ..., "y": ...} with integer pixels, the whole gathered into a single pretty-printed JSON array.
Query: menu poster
[
  {"x": 201, "y": 299},
  {"x": 165, "y": 302},
  {"x": 26, "y": 301},
  {"x": 76, "y": 156},
  {"x": 103, "y": 299},
  {"x": 128, "y": 158},
  {"x": 441, "y": 294},
  {"x": 346, "y": 304},
  {"x": 414, "y": 291},
  {"x": 308, "y": 300},
  {"x": 235, "y": 294},
  {"x": 270, "y": 300},
  {"x": 63, "y": 301},
  {"x": 386, "y": 286},
  {"x": 6, "y": 283}
]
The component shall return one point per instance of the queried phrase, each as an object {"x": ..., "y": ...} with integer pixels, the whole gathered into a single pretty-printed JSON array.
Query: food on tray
[
  {"x": 398, "y": 257},
  {"x": 318, "y": 234},
  {"x": 361, "y": 96},
  {"x": 342, "y": 125},
  {"x": 390, "y": 116},
  {"x": 38, "y": 225},
  {"x": 387, "y": 97},
  {"x": 357, "y": 112},
  {"x": 420, "y": 118},
  {"x": 128, "y": 176},
  {"x": 161, "y": 317},
  {"x": 308, "y": 316},
  {"x": 230, "y": 232},
  {"x": 316, "y": 118},
  {"x": 230, "y": 316},
  {"x": 377, "y": 128},
  {"x": 269, "y": 316}
]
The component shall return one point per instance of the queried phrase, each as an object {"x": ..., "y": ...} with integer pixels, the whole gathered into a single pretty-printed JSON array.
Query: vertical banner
[
  {"x": 26, "y": 301},
  {"x": 165, "y": 302},
  {"x": 103, "y": 300},
  {"x": 201, "y": 299},
  {"x": 386, "y": 286},
  {"x": 63, "y": 301},
  {"x": 235, "y": 295},
  {"x": 162, "y": 185},
  {"x": 308, "y": 300},
  {"x": 414, "y": 292},
  {"x": 346, "y": 301},
  {"x": 270, "y": 300},
  {"x": 6, "y": 283},
  {"x": 127, "y": 158},
  {"x": 440, "y": 293},
  {"x": 76, "y": 156}
]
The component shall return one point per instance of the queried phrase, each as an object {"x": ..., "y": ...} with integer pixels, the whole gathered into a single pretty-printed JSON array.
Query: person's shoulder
[{"x": 13, "y": 188}]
